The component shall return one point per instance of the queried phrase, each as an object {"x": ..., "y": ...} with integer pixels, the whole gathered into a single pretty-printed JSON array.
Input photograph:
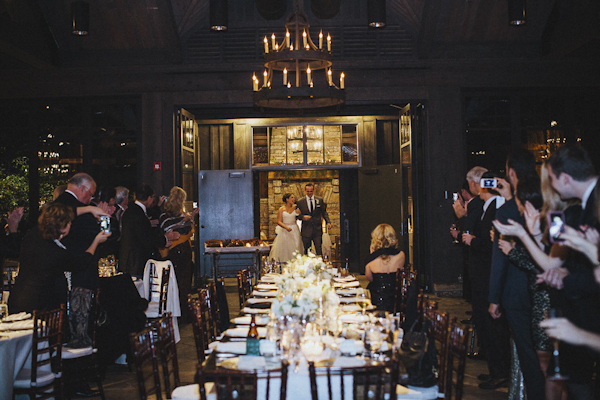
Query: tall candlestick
[
  {"x": 273, "y": 41},
  {"x": 321, "y": 39},
  {"x": 328, "y": 42},
  {"x": 342, "y": 80},
  {"x": 329, "y": 78},
  {"x": 304, "y": 38},
  {"x": 285, "y": 76},
  {"x": 265, "y": 76},
  {"x": 266, "y": 45},
  {"x": 287, "y": 39},
  {"x": 308, "y": 75},
  {"x": 255, "y": 82}
]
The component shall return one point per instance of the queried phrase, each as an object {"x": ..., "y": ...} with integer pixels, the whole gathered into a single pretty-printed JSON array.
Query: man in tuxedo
[
  {"x": 139, "y": 240},
  {"x": 508, "y": 283},
  {"x": 312, "y": 209},
  {"x": 492, "y": 333},
  {"x": 573, "y": 176},
  {"x": 84, "y": 228}
]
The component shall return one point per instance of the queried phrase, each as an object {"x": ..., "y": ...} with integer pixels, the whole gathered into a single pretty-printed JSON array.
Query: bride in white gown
[{"x": 288, "y": 238}]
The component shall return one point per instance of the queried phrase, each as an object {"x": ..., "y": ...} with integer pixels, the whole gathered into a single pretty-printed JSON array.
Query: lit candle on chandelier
[
  {"x": 255, "y": 82},
  {"x": 321, "y": 39},
  {"x": 266, "y": 45},
  {"x": 273, "y": 41},
  {"x": 329, "y": 77},
  {"x": 276, "y": 46},
  {"x": 285, "y": 76},
  {"x": 305, "y": 38},
  {"x": 287, "y": 39},
  {"x": 328, "y": 42},
  {"x": 265, "y": 78},
  {"x": 291, "y": 47},
  {"x": 342, "y": 80},
  {"x": 308, "y": 75}
]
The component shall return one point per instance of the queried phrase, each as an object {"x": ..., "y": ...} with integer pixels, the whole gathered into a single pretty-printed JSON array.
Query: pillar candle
[
  {"x": 266, "y": 45},
  {"x": 304, "y": 38},
  {"x": 342, "y": 81},
  {"x": 321, "y": 39},
  {"x": 255, "y": 82},
  {"x": 265, "y": 76},
  {"x": 308, "y": 75},
  {"x": 328, "y": 42},
  {"x": 273, "y": 41},
  {"x": 329, "y": 78},
  {"x": 287, "y": 39},
  {"x": 285, "y": 76}
]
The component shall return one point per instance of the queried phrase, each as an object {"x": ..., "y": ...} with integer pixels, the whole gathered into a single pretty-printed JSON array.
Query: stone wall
[{"x": 327, "y": 186}]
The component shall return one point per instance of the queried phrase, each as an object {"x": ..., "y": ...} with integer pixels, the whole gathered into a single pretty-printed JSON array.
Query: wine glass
[
  {"x": 363, "y": 299},
  {"x": 552, "y": 313},
  {"x": 455, "y": 241},
  {"x": 373, "y": 339}
]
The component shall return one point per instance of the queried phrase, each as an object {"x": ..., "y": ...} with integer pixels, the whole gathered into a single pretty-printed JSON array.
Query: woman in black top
[
  {"x": 41, "y": 283},
  {"x": 382, "y": 265}
]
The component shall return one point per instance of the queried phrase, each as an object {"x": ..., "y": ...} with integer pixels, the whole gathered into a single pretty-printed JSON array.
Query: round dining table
[{"x": 15, "y": 350}]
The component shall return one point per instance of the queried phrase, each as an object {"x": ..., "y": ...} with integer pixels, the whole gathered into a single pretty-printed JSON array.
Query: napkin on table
[
  {"x": 232, "y": 347},
  {"x": 261, "y": 320},
  {"x": 254, "y": 300},
  {"x": 248, "y": 310},
  {"x": 348, "y": 362},
  {"x": 251, "y": 363},
  {"x": 15, "y": 326},
  {"x": 243, "y": 332},
  {"x": 352, "y": 347}
]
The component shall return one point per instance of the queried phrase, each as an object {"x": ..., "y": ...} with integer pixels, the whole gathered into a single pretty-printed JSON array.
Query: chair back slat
[{"x": 166, "y": 349}]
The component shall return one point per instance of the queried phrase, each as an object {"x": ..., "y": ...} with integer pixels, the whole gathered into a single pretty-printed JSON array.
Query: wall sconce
[
  {"x": 80, "y": 16},
  {"x": 516, "y": 12},
  {"x": 376, "y": 13},
  {"x": 219, "y": 15}
]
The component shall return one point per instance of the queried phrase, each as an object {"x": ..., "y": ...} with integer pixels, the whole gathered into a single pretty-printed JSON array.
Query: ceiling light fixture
[
  {"x": 298, "y": 73},
  {"x": 80, "y": 17}
]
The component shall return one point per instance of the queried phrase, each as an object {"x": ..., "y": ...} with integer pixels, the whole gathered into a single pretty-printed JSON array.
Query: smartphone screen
[
  {"x": 105, "y": 224},
  {"x": 454, "y": 196},
  {"x": 556, "y": 225},
  {"x": 488, "y": 183}
]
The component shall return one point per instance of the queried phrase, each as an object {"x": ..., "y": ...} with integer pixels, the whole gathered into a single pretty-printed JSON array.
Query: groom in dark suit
[{"x": 313, "y": 209}]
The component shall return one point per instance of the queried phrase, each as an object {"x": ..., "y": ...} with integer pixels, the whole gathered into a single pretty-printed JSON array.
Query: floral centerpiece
[{"x": 305, "y": 289}]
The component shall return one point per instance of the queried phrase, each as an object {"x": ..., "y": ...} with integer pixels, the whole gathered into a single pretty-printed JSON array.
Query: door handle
[{"x": 346, "y": 231}]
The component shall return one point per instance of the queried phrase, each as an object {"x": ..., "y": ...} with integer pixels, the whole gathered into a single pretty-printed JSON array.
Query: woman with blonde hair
[
  {"x": 176, "y": 219},
  {"x": 382, "y": 265}
]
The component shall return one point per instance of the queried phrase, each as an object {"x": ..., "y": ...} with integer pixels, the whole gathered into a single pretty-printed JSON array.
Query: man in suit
[
  {"x": 312, "y": 209},
  {"x": 573, "y": 176},
  {"x": 492, "y": 333},
  {"x": 84, "y": 228},
  {"x": 139, "y": 240},
  {"x": 508, "y": 283}
]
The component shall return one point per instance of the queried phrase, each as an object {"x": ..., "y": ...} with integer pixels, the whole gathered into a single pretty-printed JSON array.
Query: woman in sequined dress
[{"x": 382, "y": 265}]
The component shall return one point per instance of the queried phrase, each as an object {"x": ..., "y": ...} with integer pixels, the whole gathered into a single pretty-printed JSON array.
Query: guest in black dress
[
  {"x": 41, "y": 283},
  {"x": 180, "y": 252},
  {"x": 381, "y": 266}
]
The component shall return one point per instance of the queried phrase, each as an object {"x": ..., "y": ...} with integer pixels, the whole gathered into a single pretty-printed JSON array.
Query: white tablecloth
[{"x": 15, "y": 350}]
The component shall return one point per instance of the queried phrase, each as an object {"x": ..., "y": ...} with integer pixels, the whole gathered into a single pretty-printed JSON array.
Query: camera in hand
[
  {"x": 488, "y": 183},
  {"x": 556, "y": 224},
  {"x": 105, "y": 223}
]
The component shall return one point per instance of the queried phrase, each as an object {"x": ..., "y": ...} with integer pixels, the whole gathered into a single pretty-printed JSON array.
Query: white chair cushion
[
  {"x": 23, "y": 380},
  {"x": 192, "y": 392},
  {"x": 69, "y": 353}
]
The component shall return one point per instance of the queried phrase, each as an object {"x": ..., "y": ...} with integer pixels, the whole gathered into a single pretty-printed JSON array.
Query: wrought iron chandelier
[{"x": 298, "y": 73}]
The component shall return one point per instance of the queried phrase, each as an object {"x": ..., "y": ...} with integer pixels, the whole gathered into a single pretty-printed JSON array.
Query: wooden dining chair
[
  {"x": 144, "y": 359},
  {"x": 239, "y": 385},
  {"x": 164, "y": 340},
  {"x": 43, "y": 379},
  {"x": 457, "y": 360},
  {"x": 159, "y": 288},
  {"x": 197, "y": 327},
  {"x": 214, "y": 303},
  {"x": 83, "y": 362},
  {"x": 206, "y": 306},
  {"x": 367, "y": 382},
  {"x": 241, "y": 289},
  {"x": 440, "y": 333}
]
